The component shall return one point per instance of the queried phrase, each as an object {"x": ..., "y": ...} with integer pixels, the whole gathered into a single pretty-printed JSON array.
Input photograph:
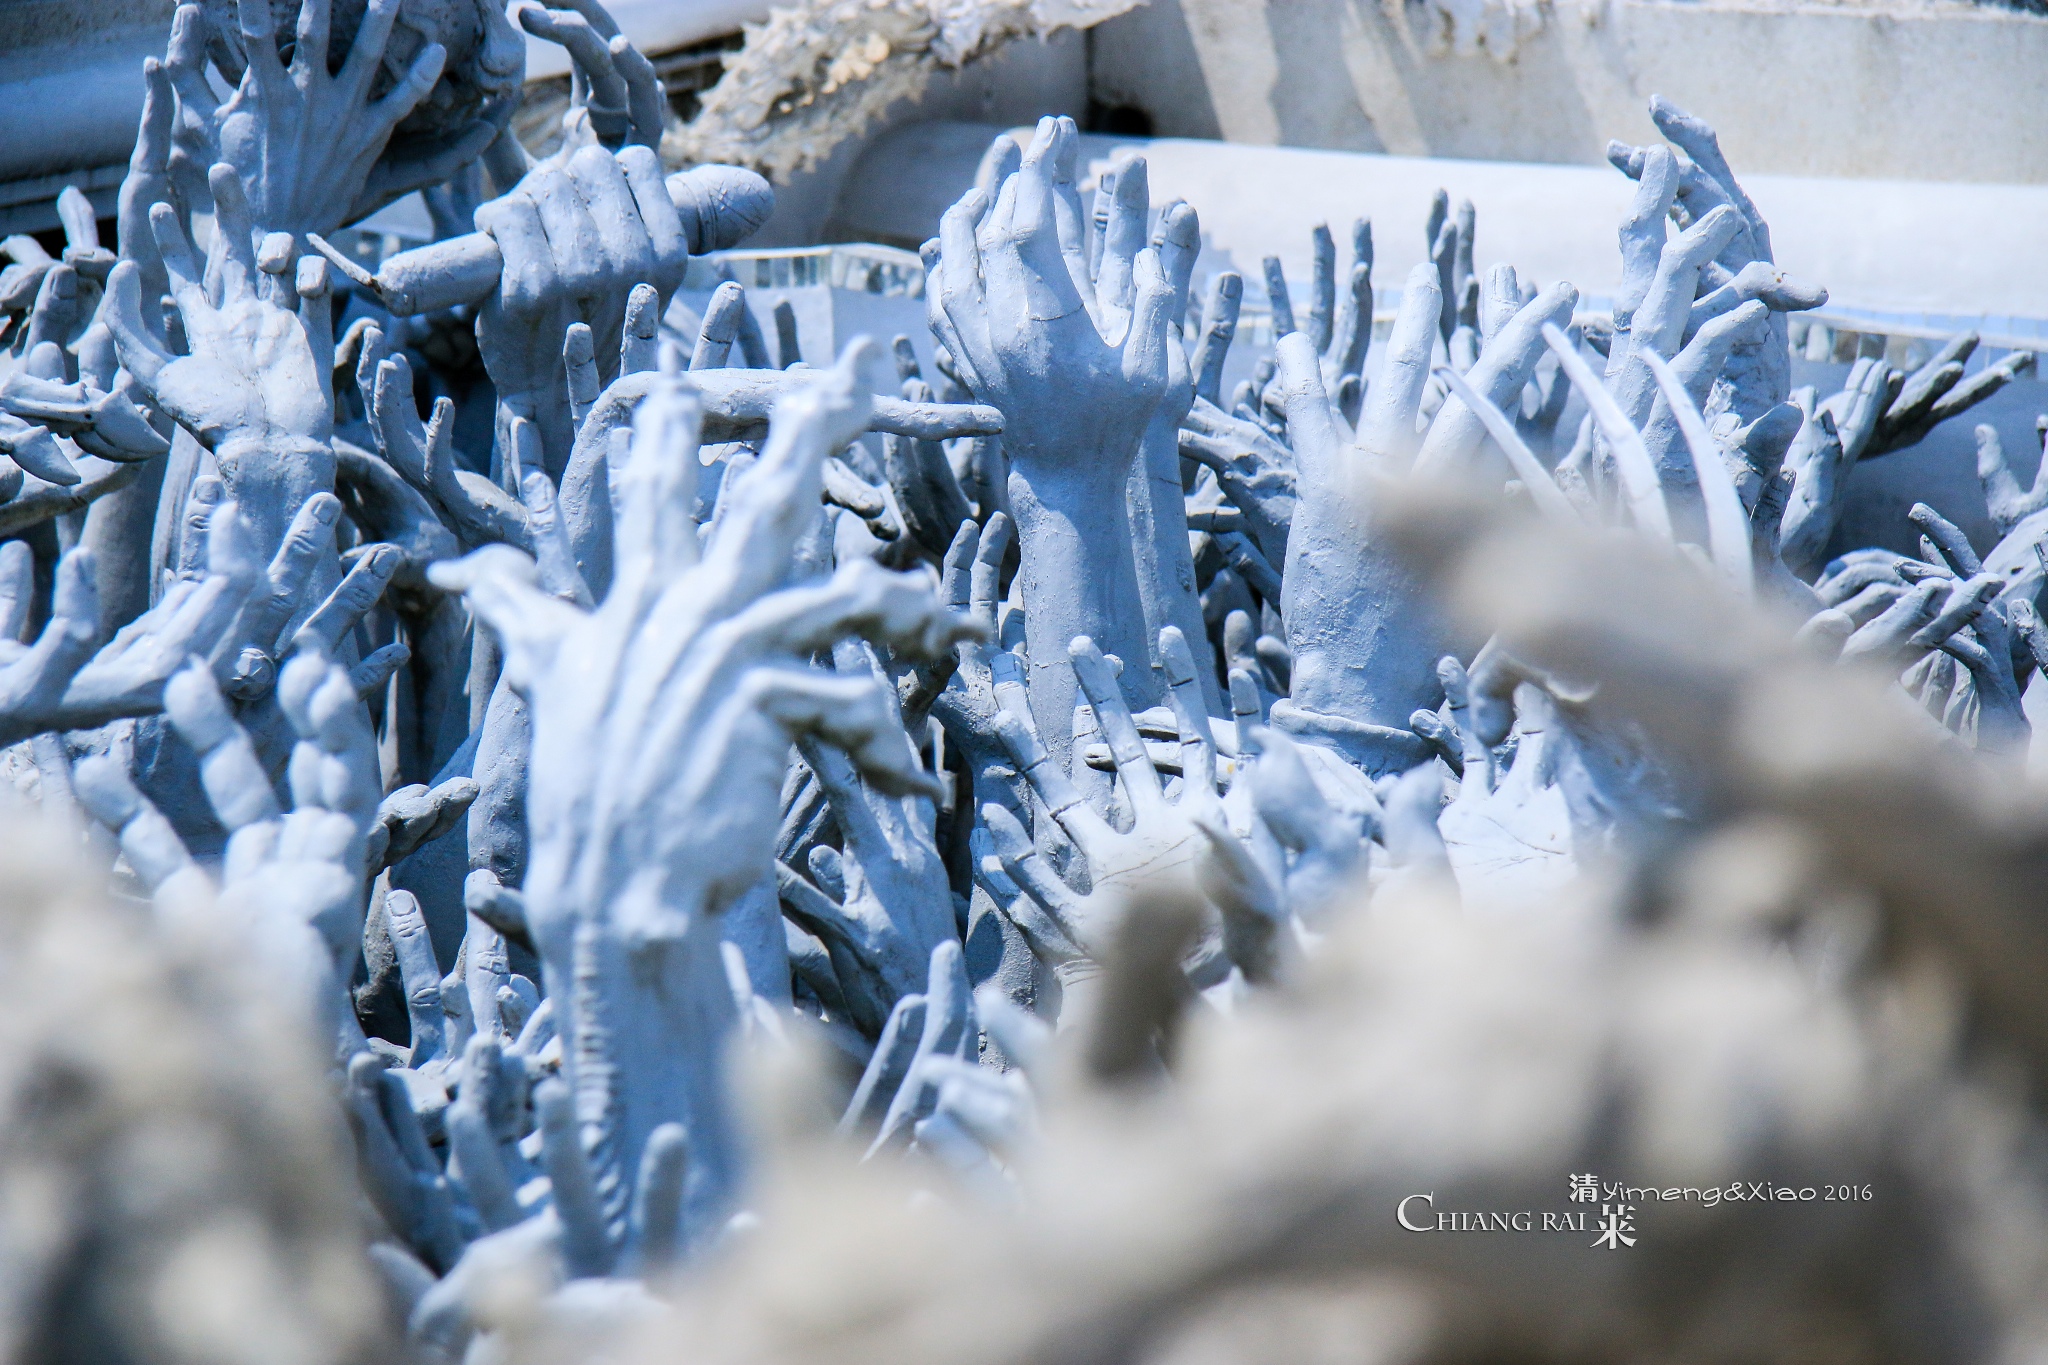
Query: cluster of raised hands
[{"x": 705, "y": 701}]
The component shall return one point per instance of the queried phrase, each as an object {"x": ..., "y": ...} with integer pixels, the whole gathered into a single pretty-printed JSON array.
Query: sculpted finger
[
  {"x": 1063, "y": 800},
  {"x": 1387, "y": 425},
  {"x": 134, "y": 338},
  {"x": 349, "y": 601},
  {"x": 645, "y": 101},
  {"x": 231, "y": 774},
  {"x": 148, "y": 841},
  {"x": 306, "y": 540},
  {"x": 658, "y": 214}
]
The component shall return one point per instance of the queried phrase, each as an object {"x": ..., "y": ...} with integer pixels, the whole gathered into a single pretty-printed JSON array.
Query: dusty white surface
[{"x": 1897, "y": 246}]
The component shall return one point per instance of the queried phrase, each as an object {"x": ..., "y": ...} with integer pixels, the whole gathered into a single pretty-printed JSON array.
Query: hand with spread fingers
[
  {"x": 1078, "y": 371},
  {"x": 660, "y": 722},
  {"x": 311, "y": 136},
  {"x": 253, "y": 387}
]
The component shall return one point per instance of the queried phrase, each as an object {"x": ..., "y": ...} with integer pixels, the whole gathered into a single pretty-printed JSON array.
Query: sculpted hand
[
  {"x": 1253, "y": 468},
  {"x": 308, "y": 145},
  {"x": 253, "y": 387},
  {"x": 890, "y": 905},
  {"x": 1164, "y": 837},
  {"x": 575, "y": 239},
  {"x": 1008, "y": 295},
  {"x": 661, "y": 724}
]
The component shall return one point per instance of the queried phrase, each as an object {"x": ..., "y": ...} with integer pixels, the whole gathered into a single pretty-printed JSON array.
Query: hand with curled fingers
[
  {"x": 1297, "y": 853},
  {"x": 60, "y": 683},
  {"x": 312, "y": 137},
  {"x": 1819, "y": 460},
  {"x": 1339, "y": 322},
  {"x": 291, "y": 611},
  {"x": 986, "y": 678},
  {"x": 1693, "y": 178},
  {"x": 1077, "y": 371},
  {"x": 576, "y": 237},
  {"x": 892, "y": 905},
  {"x": 1165, "y": 838},
  {"x": 616, "y": 99},
  {"x": 1254, "y": 469},
  {"x": 1963, "y": 643},
  {"x": 49, "y": 298},
  {"x": 925, "y": 1084}
]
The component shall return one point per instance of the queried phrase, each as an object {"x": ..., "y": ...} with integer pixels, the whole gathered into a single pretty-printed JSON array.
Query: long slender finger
[
  {"x": 234, "y": 251},
  {"x": 1126, "y": 235},
  {"x": 640, "y": 341},
  {"x": 1644, "y": 230},
  {"x": 1144, "y": 346},
  {"x": 1253, "y": 908},
  {"x": 17, "y": 588},
  {"x": 148, "y": 840},
  {"x": 309, "y": 50},
  {"x": 1190, "y": 709},
  {"x": 959, "y": 301},
  {"x": 1038, "y": 881},
  {"x": 366, "y": 54},
  {"x": 284, "y": 582},
  {"x": 721, "y": 326},
  {"x": 421, "y": 76},
  {"x": 259, "y": 45},
  {"x": 1632, "y": 457},
  {"x": 985, "y": 585},
  {"x": 134, "y": 340},
  {"x": 1966, "y": 601},
  {"x": 1322, "y": 302},
  {"x": 369, "y": 677},
  {"x": 1178, "y": 242},
  {"x": 1444, "y": 256},
  {"x": 1353, "y": 326},
  {"x": 350, "y": 600},
  {"x": 419, "y": 974},
  {"x": 1278, "y": 304},
  {"x": 659, "y": 215},
  {"x": 1063, "y": 800},
  {"x": 1699, "y": 141},
  {"x": 589, "y": 49},
  {"x": 1386, "y": 427},
  {"x": 955, "y": 570},
  {"x": 646, "y": 103},
  {"x": 1126, "y": 746},
  {"x": 1887, "y": 635},
  {"x": 185, "y": 62},
  {"x": 185, "y": 271},
  {"x": 1219, "y": 326},
  {"x": 1727, "y": 524},
  {"x": 1954, "y": 546}
]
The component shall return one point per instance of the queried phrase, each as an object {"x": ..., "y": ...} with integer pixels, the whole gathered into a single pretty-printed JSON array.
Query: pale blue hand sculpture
[
  {"x": 1007, "y": 295},
  {"x": 654, "y": 779}
]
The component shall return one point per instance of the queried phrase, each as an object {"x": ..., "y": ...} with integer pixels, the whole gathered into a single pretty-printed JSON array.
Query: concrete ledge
[{"x": 1929, "y": 255}]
